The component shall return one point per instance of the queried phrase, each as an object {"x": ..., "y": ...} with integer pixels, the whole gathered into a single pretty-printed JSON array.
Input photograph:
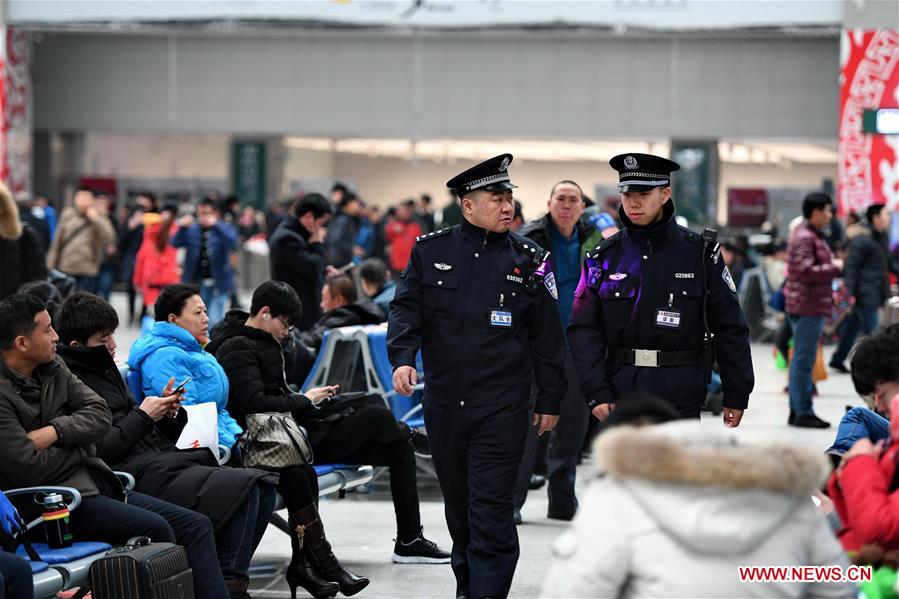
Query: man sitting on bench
[
  {"x": 238, "y": 501},
  {"x": 50, "y": 423}
]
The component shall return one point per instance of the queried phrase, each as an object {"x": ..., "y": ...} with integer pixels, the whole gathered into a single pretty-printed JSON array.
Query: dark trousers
[
  {"x": 238, "y": 538},
  {"x": 88, "y": 284},
  {"x": 476, "y": 453},
  {"x": 373, "y": 436},
  {"x": 298, "y": 486},
  {"x": 565, "y": 442},
  {"x": 862, "y": 320},
  {"x": 112, "y": 521},
  {"x": 15, "y": 577}
]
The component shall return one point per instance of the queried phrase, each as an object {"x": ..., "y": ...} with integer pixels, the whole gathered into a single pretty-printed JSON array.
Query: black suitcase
[{"x": 143, "y": 570}]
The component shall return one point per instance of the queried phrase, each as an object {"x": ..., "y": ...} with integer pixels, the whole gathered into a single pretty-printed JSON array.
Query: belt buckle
[{"x": 646, "y": 357}]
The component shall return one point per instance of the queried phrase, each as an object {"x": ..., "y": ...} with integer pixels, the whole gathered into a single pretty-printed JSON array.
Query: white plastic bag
[{"x": 202, "y": 428}]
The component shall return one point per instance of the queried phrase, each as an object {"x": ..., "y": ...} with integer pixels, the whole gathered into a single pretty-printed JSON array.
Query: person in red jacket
[
  {"x": 156, "y": 264},
  {"x": 812, "y": 270},
  {"x": 401, "y": 234}
]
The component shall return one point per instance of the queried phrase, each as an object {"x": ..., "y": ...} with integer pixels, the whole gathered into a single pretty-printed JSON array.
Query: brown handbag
[{"x": 273, "y": 440}]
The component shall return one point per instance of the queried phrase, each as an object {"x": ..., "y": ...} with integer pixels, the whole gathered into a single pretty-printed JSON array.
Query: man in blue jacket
[{"x": 209, "y": 243}]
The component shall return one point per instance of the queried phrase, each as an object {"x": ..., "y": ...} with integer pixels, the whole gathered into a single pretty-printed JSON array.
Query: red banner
[
  {"x": 15, "y": 108},
  {"x": 746, "y": 207},
  {"x": 869, "y": 79}
]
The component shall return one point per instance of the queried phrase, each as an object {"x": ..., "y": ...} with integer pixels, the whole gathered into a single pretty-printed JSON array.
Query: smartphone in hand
[{"x": 180, "y": 388}]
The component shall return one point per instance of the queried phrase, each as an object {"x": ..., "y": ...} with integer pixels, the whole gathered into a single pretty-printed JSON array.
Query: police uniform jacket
[
  {"x": 443, "y": 304},
  {"x": 624, "y": 282}
]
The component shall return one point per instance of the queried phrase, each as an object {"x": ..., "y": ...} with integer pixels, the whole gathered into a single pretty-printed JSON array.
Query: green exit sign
[{"x": 884, "y": 121}]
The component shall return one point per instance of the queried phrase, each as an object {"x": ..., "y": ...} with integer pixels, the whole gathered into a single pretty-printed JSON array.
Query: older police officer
[
  {"x": 656, "y": 306},
  {"x": 479, "y": 302}
]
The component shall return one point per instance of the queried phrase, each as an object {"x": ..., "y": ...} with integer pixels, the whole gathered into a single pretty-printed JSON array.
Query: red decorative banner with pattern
[
  {"x": 15, "y": 102},
  {"x": 869, "y": 79}
]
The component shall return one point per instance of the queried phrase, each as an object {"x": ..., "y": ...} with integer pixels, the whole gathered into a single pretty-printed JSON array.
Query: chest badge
[
  {"x": 442, "y": 266},
  {"x": 618, "y": 276}
]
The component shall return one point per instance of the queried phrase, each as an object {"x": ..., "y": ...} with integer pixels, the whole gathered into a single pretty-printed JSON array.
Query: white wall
[
  {"x": 160, "y": 155},
  {"x": 489, "y": 85}
]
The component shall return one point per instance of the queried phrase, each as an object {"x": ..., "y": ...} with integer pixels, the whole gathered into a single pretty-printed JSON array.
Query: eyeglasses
[{"x": 286, "y": 324}]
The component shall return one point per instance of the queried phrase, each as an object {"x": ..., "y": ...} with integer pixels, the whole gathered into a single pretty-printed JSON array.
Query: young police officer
[
  {"x": 639, "y": 319},
  {"x": 480, "y": 304}
]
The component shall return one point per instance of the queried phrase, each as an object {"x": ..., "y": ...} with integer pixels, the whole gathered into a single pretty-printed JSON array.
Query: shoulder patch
[
  {"x": 526, "y": 245},
  {"x": 607, "y": 243},
  {"x": 692, "y": 237},
  {"x": 434, "y": 234}
]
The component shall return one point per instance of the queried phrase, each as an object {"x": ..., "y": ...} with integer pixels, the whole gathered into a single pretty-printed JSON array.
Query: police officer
[
  {"x": 479, "y": 302},
  {"x": 656, "y": 306}
]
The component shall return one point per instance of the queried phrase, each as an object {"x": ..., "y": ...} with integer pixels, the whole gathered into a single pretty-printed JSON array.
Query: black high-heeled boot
[
  {"x": 311, "y": 533},
  {"x": 300, "y": 572}
]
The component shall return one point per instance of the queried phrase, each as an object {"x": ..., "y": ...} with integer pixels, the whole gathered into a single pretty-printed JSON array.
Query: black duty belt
[{"x": 653, "y": 358}]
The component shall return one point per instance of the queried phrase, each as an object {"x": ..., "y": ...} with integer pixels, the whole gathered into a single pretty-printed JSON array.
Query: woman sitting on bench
[
  {"x": 174, "y": 346},
  {"x": 248, "y": 346}
]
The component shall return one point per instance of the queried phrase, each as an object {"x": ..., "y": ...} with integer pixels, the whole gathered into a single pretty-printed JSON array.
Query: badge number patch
[
  {"x": 668, "y": 318},
  {"x": 550, "y": 282},
  {"x": 501, "y": 319}
]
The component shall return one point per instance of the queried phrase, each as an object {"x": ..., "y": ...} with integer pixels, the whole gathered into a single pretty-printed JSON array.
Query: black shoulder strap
[
  {"x": 709, "y": 238},
  {"x": 65, "y": 242}
]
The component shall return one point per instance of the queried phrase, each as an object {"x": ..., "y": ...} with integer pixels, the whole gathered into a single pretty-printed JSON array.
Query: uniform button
[
  {"x": 440, "y": 282},
  {"x": 645, "y": 257},
  {"x": 617, "y": 294},
  {"x": 477, "y": 255},
  {"x": 684, "y": 292},
  {"x": 461, "y": 404}
]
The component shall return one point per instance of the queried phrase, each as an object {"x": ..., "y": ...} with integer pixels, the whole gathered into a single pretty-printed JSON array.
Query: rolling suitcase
[{"x": 143, "y": 570}]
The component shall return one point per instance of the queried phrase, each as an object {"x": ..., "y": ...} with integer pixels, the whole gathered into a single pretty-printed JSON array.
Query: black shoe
[
  {"x": 792, "y": 417},
  {"x": 419, "y": 551},
  {"x": 560, "y": 515},
  {"x": 516, "y": 515},
  {"x": 311, "y": 539},
  {"x": 537, "y": 482},
  {"x": 809, "y": 421},
  {"x": 419, "y": 442},
  {"x": 839, "y": 368}
]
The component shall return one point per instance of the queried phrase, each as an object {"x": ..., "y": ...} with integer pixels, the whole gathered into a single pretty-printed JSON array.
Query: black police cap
[
  {"x": 490, "y": 175},
  {"x": 642, "y": 172}
]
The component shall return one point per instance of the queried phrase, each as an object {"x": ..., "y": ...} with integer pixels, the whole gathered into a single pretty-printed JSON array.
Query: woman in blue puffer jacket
[{"x": 173, "y": 347}]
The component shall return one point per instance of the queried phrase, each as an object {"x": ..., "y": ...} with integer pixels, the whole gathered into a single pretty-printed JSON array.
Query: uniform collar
[
  {"x": 660, "y": 225},
  {"x": 477, "y": 234}
]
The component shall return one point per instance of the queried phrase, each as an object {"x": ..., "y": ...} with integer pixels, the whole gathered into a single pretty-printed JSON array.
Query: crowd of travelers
[{"x": 68, "y": 418}]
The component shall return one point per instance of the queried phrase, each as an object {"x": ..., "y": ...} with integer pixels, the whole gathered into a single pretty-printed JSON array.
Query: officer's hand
[
  {"x": 603, "y": 410},
  {"x": 404, "y": 378},
  {"x": 545, "y": 422},
  {"x": 732, "y": 417}
]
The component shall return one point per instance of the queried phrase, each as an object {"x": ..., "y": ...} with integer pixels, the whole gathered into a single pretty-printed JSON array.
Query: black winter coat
[
  {"x": 254, "y": 363},
  {"x": 190, "y": 478},
  {"x": 362, "y": 312},
  {"x": 22, "y": 260},
  {"x": 867, "y": 263},
  {"x": 301, "y": 265}
]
